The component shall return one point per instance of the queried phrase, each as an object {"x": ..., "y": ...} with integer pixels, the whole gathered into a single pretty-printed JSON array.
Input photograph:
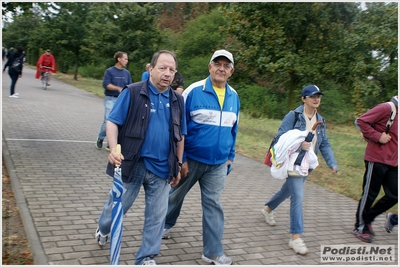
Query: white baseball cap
[{"x": 222, "y": 53}]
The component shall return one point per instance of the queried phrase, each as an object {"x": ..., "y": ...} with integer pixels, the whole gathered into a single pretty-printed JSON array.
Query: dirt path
[{"x": 14, "y": 244}]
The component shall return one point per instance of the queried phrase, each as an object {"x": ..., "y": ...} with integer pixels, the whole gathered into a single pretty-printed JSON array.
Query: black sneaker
[
  {"x": 99, "y": 143},
  {"x": 108, "y": 148},
  {"x": 368, "y": 229},
  {"x": 365, "y": 237}
]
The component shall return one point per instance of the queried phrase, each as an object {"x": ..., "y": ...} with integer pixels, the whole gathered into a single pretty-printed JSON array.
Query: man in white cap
[{"x": 212, "y": 112}]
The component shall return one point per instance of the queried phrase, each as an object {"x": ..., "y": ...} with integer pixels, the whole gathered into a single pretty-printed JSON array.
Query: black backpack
[{"x": 17, "y": 63}]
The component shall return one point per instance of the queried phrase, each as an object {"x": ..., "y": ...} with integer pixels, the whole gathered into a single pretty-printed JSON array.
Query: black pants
[
  {"x": 14, "y": 77},
  {"x": 375, "y": 176}
]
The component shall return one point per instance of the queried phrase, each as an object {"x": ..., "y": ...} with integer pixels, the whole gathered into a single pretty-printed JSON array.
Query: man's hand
[
  {"x": 114, "y": 158},
  {"x": 185, "y": 169},
  {"x": 385, "y": 138},
  {"x": 175, "y": 181}
]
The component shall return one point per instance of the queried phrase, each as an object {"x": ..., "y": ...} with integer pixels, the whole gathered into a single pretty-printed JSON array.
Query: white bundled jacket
[{"x": 284, "y": 155}]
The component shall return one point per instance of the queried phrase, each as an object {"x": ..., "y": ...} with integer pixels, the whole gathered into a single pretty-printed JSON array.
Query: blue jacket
[
  {"x": 211, "y": 131},
  {"x": 322, "y": 145}
]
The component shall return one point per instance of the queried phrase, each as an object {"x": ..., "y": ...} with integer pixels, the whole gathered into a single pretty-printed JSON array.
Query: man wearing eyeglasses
[{"x": 212, "y": 112}]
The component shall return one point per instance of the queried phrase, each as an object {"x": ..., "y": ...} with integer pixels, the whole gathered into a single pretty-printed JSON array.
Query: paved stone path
[{"x": 59, "y": 180}]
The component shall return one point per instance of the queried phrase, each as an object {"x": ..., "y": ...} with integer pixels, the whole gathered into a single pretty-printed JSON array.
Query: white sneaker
[
  {"x": 269, "y": 217},
  {"x": 220, "y": 260},
  {"x": 388, "y": 225},
  {"x": 101, "y": 239},
  {"x": 298, "y": 246},
  {"x": 14, "y": 96},
  {"x": 149, "y": 261},
  {"x": 165, "y": 234}
]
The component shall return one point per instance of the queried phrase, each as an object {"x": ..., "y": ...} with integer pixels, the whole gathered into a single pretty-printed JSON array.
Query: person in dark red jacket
[
  {"x": 381, "y": 160},
  {"x": 46, "y": 60}
]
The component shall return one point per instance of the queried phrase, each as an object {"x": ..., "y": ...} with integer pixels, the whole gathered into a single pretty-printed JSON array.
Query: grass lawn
[{"x": 255, "y": 136}]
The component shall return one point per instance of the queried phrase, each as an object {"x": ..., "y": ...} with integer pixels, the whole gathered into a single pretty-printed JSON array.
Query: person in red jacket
[
  {"x": 46, "y": 60},
  {"x": 381, "y": 162}
]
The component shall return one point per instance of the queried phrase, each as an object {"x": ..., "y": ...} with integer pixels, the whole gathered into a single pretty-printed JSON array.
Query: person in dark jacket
[
  {"x": 178, "y": 83},
  {"x": 15, "y": 73},
  {"x": 10, "y": 52},
  {"x": 148, "y": 121}
]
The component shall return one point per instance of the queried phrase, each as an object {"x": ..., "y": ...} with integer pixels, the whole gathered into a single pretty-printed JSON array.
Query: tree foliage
[
  {"x": 297, "y": 41},
  {"x": 349, "y": 51},
  {"x": 321, "y": 43},
  {"x": 127, "y": 27},
  {"x": 375, "y": 41},
  {"x": 198, "y": 42}
]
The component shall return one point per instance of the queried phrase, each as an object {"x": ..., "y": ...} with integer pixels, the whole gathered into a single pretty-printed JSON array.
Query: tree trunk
[
  {"x": 291, "y": 98},
  {"x": 76, "y": 66}
]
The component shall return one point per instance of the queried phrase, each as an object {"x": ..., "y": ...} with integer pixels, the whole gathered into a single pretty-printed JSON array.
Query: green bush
[
  {"x": 336, "y": 106},
  {"x": 194, "y": 69},
  {"x": 260, "y": 101},
  {"x": 271, "y": 102},
  {"x": 92, "y": 71}
]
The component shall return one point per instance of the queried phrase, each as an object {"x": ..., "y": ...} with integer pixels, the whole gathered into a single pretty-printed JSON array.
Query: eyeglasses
[
  {"x": 226, "y": 66},
  {"x": 163, "y": 68},
  {"x": 315, "y": 96}
]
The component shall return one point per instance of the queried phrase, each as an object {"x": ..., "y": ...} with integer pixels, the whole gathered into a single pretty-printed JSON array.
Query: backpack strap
[
  {"x": 275, "y": 139},
  {"x": 391, "y": 117}
]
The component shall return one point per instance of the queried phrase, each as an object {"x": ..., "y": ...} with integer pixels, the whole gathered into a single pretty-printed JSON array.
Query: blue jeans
[
  {"x": 109, "y": 102},
  {"x": 293, "y": 188},
  {"x": 156, "y": 199},
  {"x": 211, "y": 179}
]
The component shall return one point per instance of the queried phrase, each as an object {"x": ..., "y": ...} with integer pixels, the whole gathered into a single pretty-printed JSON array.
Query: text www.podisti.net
[{"x": 357, "y": 253}]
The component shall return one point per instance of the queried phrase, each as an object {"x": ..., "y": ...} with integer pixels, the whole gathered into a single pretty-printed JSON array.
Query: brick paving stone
[{"x": 49, "y": 138}]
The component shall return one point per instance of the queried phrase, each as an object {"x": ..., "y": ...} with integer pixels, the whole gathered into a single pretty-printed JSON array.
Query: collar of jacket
[
  {"x": 300, "y": 109},
  {"x": 208, "y": 87}
]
